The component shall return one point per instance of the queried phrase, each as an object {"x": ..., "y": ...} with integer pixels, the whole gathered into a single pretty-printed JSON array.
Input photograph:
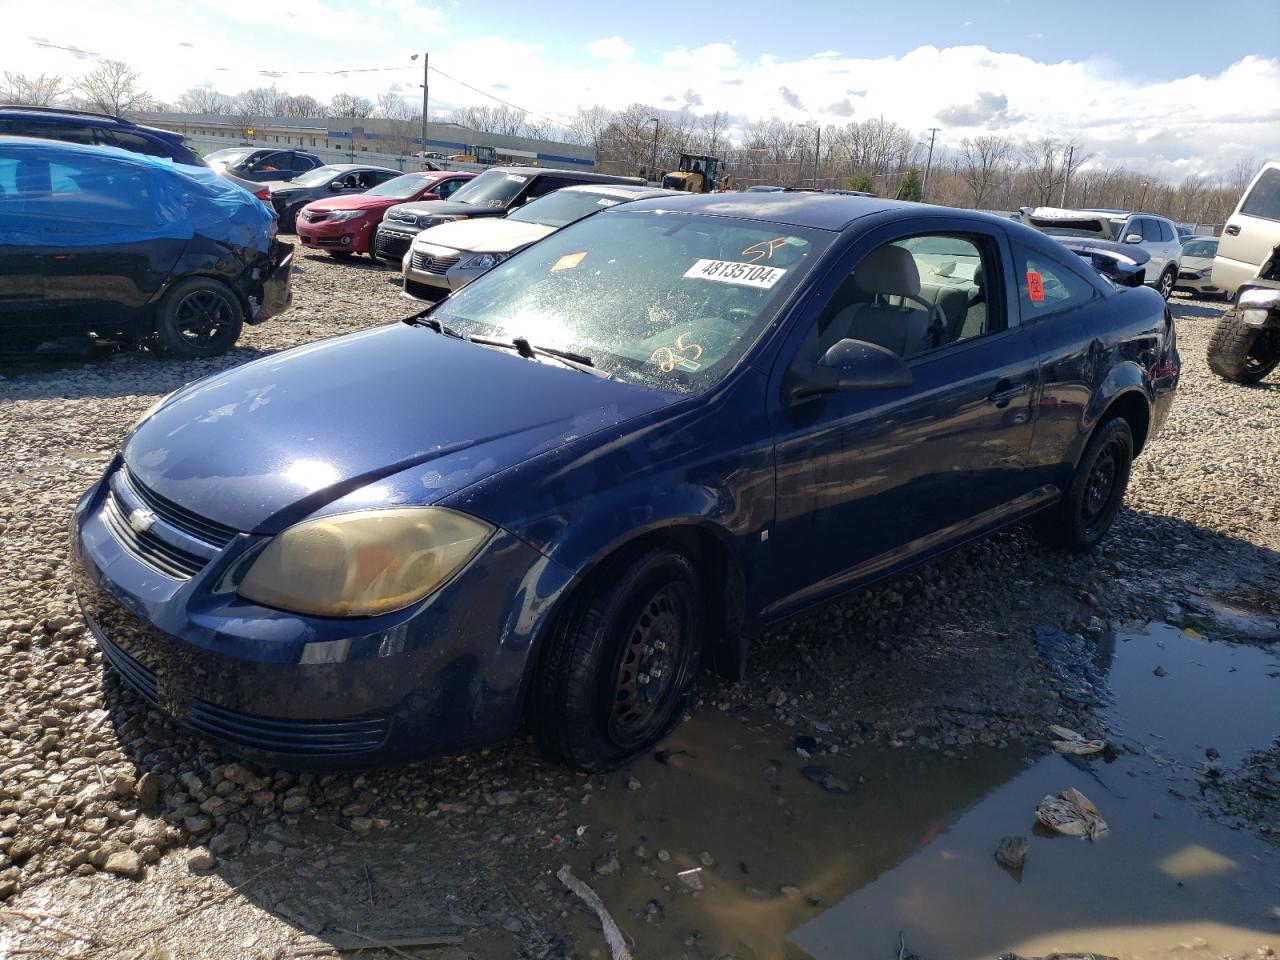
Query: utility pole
[
  {"x": 1066, "y": 176},
  {"x": 653, "y": 164},
  {"x": 425, "y": 67},
  {"x": 817, "y": 155},
  {"x": 928, "y": 164}
]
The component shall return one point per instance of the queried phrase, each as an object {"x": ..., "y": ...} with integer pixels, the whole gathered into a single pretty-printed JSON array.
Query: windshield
[
  {"x": 668, "y": 301},
  {"x": 400, "y": 188},
  {"x": 1200, "y": 248},
  {"x": 313, "y": 178},
  {"x": 493, "y": 188},
  {"x": 229, "y": 157},
  {"x": 563, "y": 206}
]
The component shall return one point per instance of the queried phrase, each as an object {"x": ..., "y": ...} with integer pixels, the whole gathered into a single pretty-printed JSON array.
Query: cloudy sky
[{"x": 1182, "y": 87}]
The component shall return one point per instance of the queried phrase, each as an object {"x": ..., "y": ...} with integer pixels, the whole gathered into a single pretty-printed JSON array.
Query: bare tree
[
  {"x": 393, "y": 106},
  {"x": 301, "y": 106},
  {"x": 42, "y": 91},
  {"x": 260, "y": 102},
  {"x": 112, "y": 87},
  {"x": 1045, "y": 168},
  {"x": 206, "y": 100},
  {"x": 983, "y": 162},
  {"x": 350, "y": 107}
]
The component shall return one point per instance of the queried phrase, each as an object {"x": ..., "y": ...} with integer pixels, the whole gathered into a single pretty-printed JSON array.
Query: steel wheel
[
  {"x": 1100, "y": 487},
  {"x": 647, "y": 668}
]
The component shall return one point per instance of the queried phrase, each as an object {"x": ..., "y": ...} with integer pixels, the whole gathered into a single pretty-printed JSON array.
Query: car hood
[
  {"x": 1196, "y": 263},
  {"x": 448, "y": 208},
  {"x": 357, "y": 201},
  {"x": 485, "y": 235},
  {"x": 1043, "y": 218},
  {"x": 263, "y": 445}
]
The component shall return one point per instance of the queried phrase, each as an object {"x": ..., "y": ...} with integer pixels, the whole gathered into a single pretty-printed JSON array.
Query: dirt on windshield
[{"x": 845, "y": 801}]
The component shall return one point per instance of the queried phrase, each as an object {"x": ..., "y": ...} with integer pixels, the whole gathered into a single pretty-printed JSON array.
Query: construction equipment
[
  {"x": 698, "y": 173},
  {"x": 475, "y": 154}
]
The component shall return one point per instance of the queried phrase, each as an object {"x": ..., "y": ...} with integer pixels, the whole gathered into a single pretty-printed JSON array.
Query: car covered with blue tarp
[{"x": 132, "y": 247}]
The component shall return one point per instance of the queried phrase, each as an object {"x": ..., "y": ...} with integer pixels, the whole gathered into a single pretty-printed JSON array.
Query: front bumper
[
  {"x": 313, "y": 692},
  {"x": 1190, "y": 280},
  {"x": 350, "y": 235}
]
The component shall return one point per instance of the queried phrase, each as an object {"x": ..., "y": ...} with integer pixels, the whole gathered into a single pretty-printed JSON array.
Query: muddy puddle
[{"x": 854, "y": 854}]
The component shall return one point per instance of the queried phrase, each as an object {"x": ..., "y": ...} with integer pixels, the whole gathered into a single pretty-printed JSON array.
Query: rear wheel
[
  {"x": 1091, "y": 503},
  {"x": 199, "y": 317},
  {"x": 1164, "y": 286},
  {"x": 620, "y": 665},
  {"x": 1242, "y": 354}
]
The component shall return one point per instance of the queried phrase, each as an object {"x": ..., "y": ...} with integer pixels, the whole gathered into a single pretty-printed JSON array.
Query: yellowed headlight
[{"x": 365, "y": 563}]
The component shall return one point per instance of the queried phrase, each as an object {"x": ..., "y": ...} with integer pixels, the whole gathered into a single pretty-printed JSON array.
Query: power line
[{"x": 485, "y": 93}]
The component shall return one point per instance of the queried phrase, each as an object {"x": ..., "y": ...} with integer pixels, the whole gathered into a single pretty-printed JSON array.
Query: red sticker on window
[{"x": 1035, "y": 287}]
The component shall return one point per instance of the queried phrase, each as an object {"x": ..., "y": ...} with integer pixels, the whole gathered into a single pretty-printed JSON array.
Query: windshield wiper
[
  {"x": 431, "y": 323},
  {"x": 522, "y": 346}
]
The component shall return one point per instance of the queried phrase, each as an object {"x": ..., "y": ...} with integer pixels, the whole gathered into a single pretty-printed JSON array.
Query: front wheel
[
  {"x": 1091, "y": 503},
  {"x": 1242, "y": 354},
  {"x": 1164, "y": 286},
  {"x": 620, "y": 664},
  {"x": 199, "y": 317}
]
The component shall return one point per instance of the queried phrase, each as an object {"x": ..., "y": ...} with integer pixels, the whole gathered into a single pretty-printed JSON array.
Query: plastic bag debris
[
  {"x": 1072, "y": 814},
  {"x": 55, "y": 194},
  {"x": 1070, "y": 657},
  {"x": 1068, "y": 741}
]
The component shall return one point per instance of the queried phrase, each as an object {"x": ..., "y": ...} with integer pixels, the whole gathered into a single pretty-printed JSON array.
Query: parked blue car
[{"x": 607, "y": 463}]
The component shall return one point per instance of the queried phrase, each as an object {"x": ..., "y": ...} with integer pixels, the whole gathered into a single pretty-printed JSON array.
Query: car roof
[
  {"x": 826, "y": 211},
  {"x": 586, "y": 176},
  {"x": 348, "y": 167},
  {"x": 624, "y": 191},
  {"x": 65, "y": 112}
]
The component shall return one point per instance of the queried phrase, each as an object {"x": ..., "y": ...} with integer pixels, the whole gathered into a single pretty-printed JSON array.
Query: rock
[
  {"x": 1069, "y": 742},
  {"x": 201, "y": 859},
  {"x": 706, "y": 859},
  {"x": 294, "y": 803},
  {"x": 513, "y": 924},
  {"x": 691, "y": 878},
  {"x": 1072, "y": 814},
  {"x": 1012, "y": 852},
  {"x": 663, "y": 855},
  {"x": 123, "y": 785},
  {"x": 197, "y": 825},
  {"x": 7, "y": 889},
  {"x": 632, "y": 783},
  {"x": 776, "y": 697},
  {"x": 147, "y": 790},
  {"x": 606, "y": 864},
  {"x": 126, "y": 863},
  {"x": 361, "y": 825},
  {"x": 825, "y": 779},
  {"x": 230, "y": 840},
  {"x": 1160, "y": 672}
]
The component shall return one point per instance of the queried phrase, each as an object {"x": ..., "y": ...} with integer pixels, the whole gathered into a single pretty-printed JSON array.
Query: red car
[{"x": 345, "y": 225}]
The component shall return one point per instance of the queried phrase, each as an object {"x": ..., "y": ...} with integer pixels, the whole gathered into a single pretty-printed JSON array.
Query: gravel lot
[{"x": 120, "y": 836}]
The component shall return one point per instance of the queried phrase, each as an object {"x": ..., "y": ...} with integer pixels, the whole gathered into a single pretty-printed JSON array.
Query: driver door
[{"x": 870, "y": 480}]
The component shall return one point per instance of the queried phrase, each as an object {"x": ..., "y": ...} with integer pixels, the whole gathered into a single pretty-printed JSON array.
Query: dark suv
[
  {"x": 94, "y": 129},
  {"x": 494, "y": 193},
  {"x": 261, "y": 165}
]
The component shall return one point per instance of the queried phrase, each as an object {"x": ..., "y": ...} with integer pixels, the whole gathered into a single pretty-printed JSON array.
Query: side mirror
[
  {"x": 847, "y": 366},
  {"x": 1133, "y": 238},
  {"x": 429, "y": 196},
  {"x": 336, "y": 185}
]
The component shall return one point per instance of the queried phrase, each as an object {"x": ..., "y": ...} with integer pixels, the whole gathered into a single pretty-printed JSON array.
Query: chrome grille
[
  {"x": 429, "y": 264},
  {"x": 178, "y": 543}
]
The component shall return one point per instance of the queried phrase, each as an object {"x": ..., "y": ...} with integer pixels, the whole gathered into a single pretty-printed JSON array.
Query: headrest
[
  {"x": 888, "y": 270},
  {"x": 979, "y": 276}
]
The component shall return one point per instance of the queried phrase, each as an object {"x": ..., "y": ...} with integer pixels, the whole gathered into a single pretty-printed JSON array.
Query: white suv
[{"x": 1251, "y": 233}]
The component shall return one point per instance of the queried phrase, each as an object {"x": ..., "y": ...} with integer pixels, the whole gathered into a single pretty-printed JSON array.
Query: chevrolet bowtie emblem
[{"x": 142, "y": 520}]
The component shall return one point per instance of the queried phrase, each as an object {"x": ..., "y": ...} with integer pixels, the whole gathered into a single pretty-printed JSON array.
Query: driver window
[{"x": 914, "y": 295}]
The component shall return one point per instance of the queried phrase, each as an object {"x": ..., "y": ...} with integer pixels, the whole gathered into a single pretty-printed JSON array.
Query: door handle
[
  {"x": 1005, "y": 391},
  {"x": 1233, "y": 230}
]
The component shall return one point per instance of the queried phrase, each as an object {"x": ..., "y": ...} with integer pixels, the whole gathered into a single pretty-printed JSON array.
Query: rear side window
[
  {"x": 1264, "y": 199},
  {"x": 66, "y": 132},
  {"x": 1167, "y": 234},
  {"x": 544, "y": 185},
  {"x": 132, "y": 142},
  {"x": 1151, "y": 230},
  {"x": 80, "y": 195},
  {"x": 1046, "y": 285},
  {"x": 301, "y": 164}
]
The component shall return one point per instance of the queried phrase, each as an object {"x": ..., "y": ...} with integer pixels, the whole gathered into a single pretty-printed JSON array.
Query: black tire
[
  {"x": 1164, "y": 286},
  {"x": 1242, "y": 354},
  {"x": 1085, "y": 513},
  {"x": 199, "y": 317},
  {"x": 640, "y": 617},
  {"x": 289, "y": 219}
]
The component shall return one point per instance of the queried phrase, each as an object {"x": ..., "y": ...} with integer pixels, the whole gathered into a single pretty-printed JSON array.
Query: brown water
[{"x": 803, "y": 872}]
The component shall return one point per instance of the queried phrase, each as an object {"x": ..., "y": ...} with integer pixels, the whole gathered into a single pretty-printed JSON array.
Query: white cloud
[
  {"x": 714, "y": 56},
  {"x": 610, "y": 48}
]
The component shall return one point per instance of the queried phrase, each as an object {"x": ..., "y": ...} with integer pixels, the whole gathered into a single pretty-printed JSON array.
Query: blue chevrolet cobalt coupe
[{"x": 554, "y": 497}]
